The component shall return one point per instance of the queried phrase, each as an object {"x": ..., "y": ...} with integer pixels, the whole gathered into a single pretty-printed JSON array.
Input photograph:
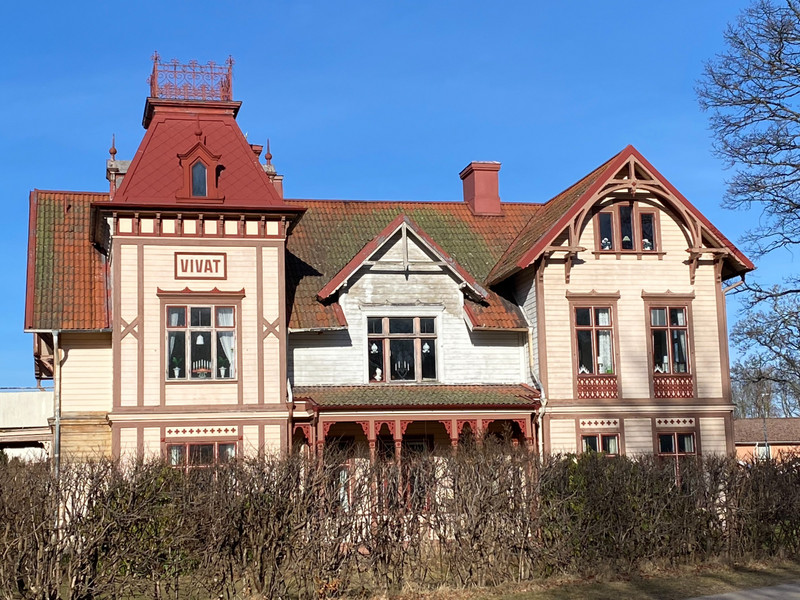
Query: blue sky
[{"x": 367, "y": 100}]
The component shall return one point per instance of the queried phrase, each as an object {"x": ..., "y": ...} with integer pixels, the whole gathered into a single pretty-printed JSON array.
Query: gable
[
  {"x": 402, "y": 246},
  {"x": 332, "y": 232},
  {"x": 630, "y": 173}
]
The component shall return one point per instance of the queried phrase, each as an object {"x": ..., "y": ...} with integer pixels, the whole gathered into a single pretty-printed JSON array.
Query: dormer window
[
  {"x": 627, "y": 227},
  {"x": 199, "y": 178}
]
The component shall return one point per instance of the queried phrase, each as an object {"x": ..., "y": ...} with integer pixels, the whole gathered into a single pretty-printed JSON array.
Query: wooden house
[{"x": 197, "y": 314}]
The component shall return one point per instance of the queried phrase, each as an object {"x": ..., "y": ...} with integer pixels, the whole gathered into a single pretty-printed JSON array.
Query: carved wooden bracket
[
  {"x": 448, "y": 425},
  {"x": 364, "y": 427},
  {"x": 305, "y": 429},
  {"x": 380, "y": 424},
  {"x": 473, "y": 424}
]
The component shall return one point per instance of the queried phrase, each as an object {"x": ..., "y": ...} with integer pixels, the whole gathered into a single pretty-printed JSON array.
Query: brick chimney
[{"x": 480, "y": 187}]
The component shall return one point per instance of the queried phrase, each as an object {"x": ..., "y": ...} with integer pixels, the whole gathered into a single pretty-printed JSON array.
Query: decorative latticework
[
  {"x": 673, "y": 386},
  {"x": 192, "y": 81},
  {"x": 597, "y": 387}
]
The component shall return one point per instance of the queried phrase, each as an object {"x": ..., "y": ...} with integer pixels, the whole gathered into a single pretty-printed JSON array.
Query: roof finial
[
  {"x": 113, "y": 150},
  {"x": 269, "y": 169}
]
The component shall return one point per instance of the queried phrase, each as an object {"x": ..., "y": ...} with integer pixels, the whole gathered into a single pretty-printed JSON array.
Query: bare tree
[
  {"x": 751, "y": 91},
  {"x": 766, "y": 382}
]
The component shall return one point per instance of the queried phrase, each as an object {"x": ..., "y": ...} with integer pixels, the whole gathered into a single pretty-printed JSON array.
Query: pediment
[{"x": 403, "y": 246}]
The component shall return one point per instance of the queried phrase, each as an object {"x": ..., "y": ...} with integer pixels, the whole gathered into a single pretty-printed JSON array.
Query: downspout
[
  {"x": 290, "y": 402},
  {"x": 56, "y": 405},
  {"x": 543, "y": 397}
]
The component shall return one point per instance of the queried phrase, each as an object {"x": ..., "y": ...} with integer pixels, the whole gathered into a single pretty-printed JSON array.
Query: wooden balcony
[
  {"x": 596, "y": 387},
  {"x": 673, "y": 386}
]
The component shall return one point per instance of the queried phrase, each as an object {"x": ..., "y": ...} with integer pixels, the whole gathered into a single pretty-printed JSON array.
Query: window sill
[
  {"x": 198, "y": 380},
  {"x": 620, "y": 253},
  {"x": 424, "y": 382}
]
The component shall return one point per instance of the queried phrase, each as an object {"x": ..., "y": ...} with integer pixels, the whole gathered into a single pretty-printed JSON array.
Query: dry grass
[{"x": 676, "y": 584}]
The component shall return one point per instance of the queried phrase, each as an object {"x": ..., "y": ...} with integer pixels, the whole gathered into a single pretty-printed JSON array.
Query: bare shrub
[{"x": 340, "y": 525}]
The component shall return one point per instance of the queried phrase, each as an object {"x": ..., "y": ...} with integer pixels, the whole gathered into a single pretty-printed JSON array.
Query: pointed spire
[
  {"x": 269, "y": 168},
  {"x": 113, "y": 150}
]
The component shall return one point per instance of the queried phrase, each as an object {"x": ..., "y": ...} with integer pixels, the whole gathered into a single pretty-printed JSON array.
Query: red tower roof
[{"x": 190, "y": 116}]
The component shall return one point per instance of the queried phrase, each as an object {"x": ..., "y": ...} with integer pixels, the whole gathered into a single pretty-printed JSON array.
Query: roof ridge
[
  {"x": 38, "y": 192},
  {"x": 596, "y": 172},
  {"x": 421, "y": 202}
]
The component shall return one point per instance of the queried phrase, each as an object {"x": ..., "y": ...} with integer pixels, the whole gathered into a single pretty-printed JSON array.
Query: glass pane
[
  {"x": 176, "y": 316},
  {"x": 402, "y": 359},
  {"x": 201, "y": 355},
  {"x": 686, "y": 443},
  {"x": 428, "y": 358},
  {"x": 427, "y": 325},
  {"x": 602, "y": 317},
  {"x": 626, "y": 227},
  {"x": 201, "y": 454},
  {"x": 666, "y": 443},
  {"x": 679, "y": 360},
  {"x": 583, "y": 316},
  {"x": 415, "y": 445},
  {"x": 590, "y": 443},
  {"x": 610, "y": 444},
  {"x": 225, "y": 316},
  {"x": 201, "y": 316},
  {"x": 227, "y": 452},
  {"x": 374, "y": 325},
  {"x": 648, "y": 232},
  {"x": 176, "y": 355},
  {"x": 176, "y": 455},
  {"x": 375, "y": 355},
  {"x": 605, "y": 360},
  {"x": 677, "y": 317},
  {"x": 606, "y": 231},
  {"x": 198, "y": 179},
  {"x": 401, "y": 325},
  {"x": 658, "y": 317},
  {"x": 660, "y": 351},
  {"x": 585, "y": 359},
  {"x": 226, "y": 355}
]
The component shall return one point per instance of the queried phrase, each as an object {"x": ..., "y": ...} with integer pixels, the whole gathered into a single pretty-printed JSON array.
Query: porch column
[
  {"x": 452, "y": 431},
  {"x": 371, "y": 439},
  {"x": 527, "y": 431},
  {"x": 322, "y": 430},
  {"x": 397, "y": 434}
]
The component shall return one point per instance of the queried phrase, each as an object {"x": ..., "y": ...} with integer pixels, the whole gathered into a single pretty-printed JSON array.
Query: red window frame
[
  {"x": 379, "y": 349},
  {"x": 638, "y": 245},
  {"x": 186, "y": 463},
  {"x": 178, "y": 370}
]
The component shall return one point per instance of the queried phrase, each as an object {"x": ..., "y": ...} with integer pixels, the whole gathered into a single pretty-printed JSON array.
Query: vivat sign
[{"x": 201, "y": 265}]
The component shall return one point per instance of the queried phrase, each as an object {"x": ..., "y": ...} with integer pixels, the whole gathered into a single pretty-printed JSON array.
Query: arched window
[{"x": 199, "y": 172}]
